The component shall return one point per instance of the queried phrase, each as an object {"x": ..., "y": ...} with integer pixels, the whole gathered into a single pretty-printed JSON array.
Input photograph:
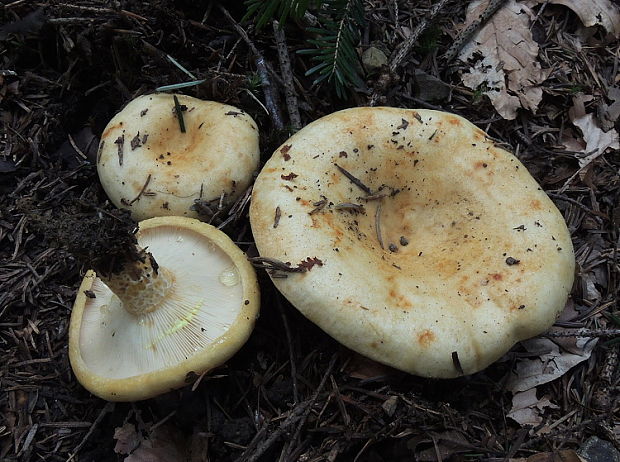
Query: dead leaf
[
  {"x": 30, "y": 24},
  {"x": 127, "y": 439},
  {"x": 550, "y": 365},
  {"x": 527, "y": 409},
  {"x": 594, "y": 12},
  {"x": 505, "y": 55},
  {"x": 164, "y": 444},
  {"x": 596, "y": 140},
  {"x": 444, "y": 444},
  {"x": 361, "y": 367},
  {"x": 563, "y": 455},
  {"x": 608, "y": 114}
]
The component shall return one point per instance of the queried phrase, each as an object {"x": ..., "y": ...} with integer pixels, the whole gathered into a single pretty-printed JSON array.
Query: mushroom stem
[{"x": 141, "y": 285}]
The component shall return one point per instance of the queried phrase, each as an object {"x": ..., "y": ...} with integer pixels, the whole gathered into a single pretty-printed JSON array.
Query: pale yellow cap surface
[
  {"x": 149, "y": 167},
  {"x": 475, "y": 255}
]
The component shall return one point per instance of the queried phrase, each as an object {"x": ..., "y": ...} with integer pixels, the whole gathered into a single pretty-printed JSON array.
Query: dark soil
[{"x": 292, "y": 393}]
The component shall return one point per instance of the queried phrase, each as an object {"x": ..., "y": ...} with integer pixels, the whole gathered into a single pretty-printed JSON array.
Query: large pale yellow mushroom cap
[
  {"x": 443, "y": 255},
  {"x": 204, "y": 317},
  {"x": 148, "y": 166}
]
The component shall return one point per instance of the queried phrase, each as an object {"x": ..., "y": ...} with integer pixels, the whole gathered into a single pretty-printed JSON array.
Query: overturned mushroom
[
  {"x": 166, "y": 155},
  {"x": 451, "y": 253},
  {"x": 184, "y": 308}
]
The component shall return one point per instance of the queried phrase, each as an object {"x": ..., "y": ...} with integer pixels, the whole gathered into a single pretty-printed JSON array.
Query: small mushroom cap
[
  {"x": 207, "y": 317},
  {"x": 475, "y": 256},
  {"x": 148, "y": 166}
]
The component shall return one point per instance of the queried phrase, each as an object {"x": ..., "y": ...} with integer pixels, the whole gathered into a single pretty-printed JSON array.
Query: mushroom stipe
[
  {"x": 442, "y": 276},
  {"x": 185, "y": 309}
]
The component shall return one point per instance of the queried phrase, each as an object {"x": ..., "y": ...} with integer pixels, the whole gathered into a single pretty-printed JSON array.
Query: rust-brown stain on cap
[
  {"x": 426, "y": 338},
  {"x": 116, "y": 126}
]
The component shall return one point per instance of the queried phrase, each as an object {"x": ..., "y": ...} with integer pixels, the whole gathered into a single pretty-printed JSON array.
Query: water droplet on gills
[{"x": 229, "y": 277}]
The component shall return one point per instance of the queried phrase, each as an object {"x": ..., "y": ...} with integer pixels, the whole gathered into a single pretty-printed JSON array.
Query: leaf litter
[
  {"x": 505, "y": 59},
  {"x": 268, "y": 402}
]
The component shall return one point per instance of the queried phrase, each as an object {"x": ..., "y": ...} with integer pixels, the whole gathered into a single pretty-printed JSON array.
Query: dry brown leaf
[
  {"x": 608, "y": 114},
  {"x": 527, "y": 409},
  {"x": 505, "y": 59},
  {"x": 563, "y": 455},
  {"x": 164, "y": 444},
  {"x": 444, "y": 444},
  {"x": 551, "y": 363},
  {"x": 596, "y": 140},
  {"x": 127, "y": 439},
  {"x": 594, "y": 12},
  {"x": 361, "y": 367}
]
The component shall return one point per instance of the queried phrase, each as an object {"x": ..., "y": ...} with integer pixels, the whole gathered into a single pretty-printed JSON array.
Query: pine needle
[
  {"x": 264, "y": 11},
  {"x": 335, "y": 54}
]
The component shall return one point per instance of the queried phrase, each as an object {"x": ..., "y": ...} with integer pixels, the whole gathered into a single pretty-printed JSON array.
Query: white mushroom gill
[{"x": 200, "y": 306}]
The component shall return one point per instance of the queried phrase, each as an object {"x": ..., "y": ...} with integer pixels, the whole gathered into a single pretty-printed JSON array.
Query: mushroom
[
  {"x": 146, "y": 329},
  {"x": 438, "y": 251},
  {"x": 165, "y": 155}
]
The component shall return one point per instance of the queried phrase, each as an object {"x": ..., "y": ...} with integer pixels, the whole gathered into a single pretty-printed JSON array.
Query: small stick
[
  {"x": 466, "y": 34},
  {"x": 270, "y": 98},
  {"x": 349, "y": 206},
  {"x": 109, "y": 407},
  {"x": 146, "y": 183},
  {"x": 378, "y": 224},
  {"x": 75, "y": 146},
  {"x": 318, "y": 206},
  {"x": 120, "y": 142},
  {"x": 457, "y": 363},
  {"x": 584, "y": 333},
  {"x": 291, "y": 352},
  {"x": 276, "y": 219},
  {"x": 275, "y": 264},
  {"x": 354, "y": 180},
  {"x": 262, "y": 67},
  {"x": 298, "y": 415},
  {"x": 287, "y": 74},
  {"x": 179, "y": 111},
  {"x": 406, "y": 46},
  {"x": 374, "y": 197}
]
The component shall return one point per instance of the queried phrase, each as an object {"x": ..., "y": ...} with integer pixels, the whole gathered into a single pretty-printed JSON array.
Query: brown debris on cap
[
  {"x": 465, "y": 271},
  {"x": 161, "y": 154}
]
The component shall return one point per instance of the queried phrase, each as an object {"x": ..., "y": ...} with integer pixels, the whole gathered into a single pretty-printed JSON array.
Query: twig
[
  {"x": 275, "y": 264},
  {"x": 583, "y": 207},
  {"x": 378, "y": 224},
  {"x": 268, "y": 90},
  {"x": 350, "y": 206},
  {"x": 179, "y": 111},
  {"x": 276, "y": 219},
  {"x": 466, "y": 34},
  {"x": 354, "y": 180},
  {"x": 291, "y": 353},
  {"x": 318, "y": 206},
  {"x": 287, "y": 75},
  {"x": 261, "y": 67},
  {"x": 298, "y": 416},
  {"x": 146, "y": 183},
  {"x": 75, "y": 146},
  {"x": 109, "y": 407},
  {"x": 584, "y": 333},
  {"x": 406, "y": 46}
]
